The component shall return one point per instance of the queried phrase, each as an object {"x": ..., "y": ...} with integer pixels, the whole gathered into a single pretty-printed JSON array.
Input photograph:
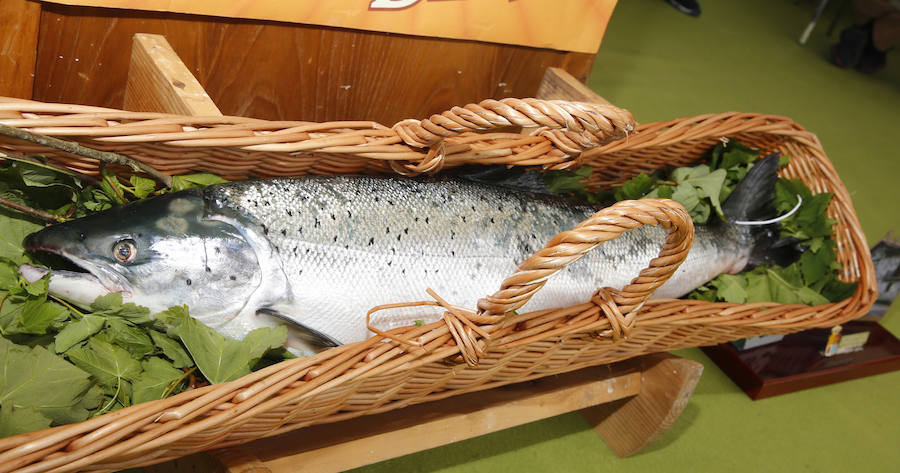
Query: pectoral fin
[{"x": 301, "y": 338}]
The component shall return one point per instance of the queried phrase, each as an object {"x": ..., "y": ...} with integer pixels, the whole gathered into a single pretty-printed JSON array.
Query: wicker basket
[{"x": 468, "y": 350}]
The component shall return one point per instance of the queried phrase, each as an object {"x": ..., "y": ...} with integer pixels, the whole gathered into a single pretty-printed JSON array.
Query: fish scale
[
  {"x": 349, "y": 244},
  {"x": 321, "y": 251}
]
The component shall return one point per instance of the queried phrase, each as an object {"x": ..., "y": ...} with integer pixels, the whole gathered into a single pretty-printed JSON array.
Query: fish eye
[{"x": 125, "y": 251}]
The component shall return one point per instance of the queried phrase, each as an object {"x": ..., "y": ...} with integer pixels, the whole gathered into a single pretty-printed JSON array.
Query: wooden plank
[
  {"x": 374, "y": 438},
  {"x": 282, "y": 71},
  {"x": 159, "y": 82},
  {"x": 631, "y": 425},
  {"x": 558, "y": 84},
  {"x": 19, "y": 20}
]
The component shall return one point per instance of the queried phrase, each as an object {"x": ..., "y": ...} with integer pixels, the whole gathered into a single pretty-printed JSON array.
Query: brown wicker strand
[{"x": 465, "y": 352}]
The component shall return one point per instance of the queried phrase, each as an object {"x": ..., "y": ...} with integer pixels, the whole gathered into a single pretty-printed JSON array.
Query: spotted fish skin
[
  {"x": 322, "y": 251},
  {"x": 347, "y": 244}
]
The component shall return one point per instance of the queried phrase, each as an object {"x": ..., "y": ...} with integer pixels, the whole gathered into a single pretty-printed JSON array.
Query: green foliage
[
  {"x": 38, "y": 388},
  {"x": 189, "y": 181},
  {"x": 59, "y": 364},
  {"x": 222, "y": 359},
  {"x": 703, "y": 188}
]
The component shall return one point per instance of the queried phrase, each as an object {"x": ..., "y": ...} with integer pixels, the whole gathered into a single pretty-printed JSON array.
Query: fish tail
[{"x": 752, "y": 201}]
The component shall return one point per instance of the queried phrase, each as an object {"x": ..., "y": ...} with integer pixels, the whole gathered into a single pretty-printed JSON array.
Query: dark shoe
[
  {"x": 872, "y": 60},
  {"x": 847, "y": 51},
  {"x": 688, "y": 7}
]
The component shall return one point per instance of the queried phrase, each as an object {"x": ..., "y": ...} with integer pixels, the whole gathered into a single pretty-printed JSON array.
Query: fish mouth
[{"x": 96, "y": 280}]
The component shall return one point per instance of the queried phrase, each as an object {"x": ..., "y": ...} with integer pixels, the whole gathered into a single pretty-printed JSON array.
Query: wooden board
[
  {"x": 159, "y": 82},
  {"x": 282, "y": 71},
  {"x": 19, "y": 20},
  {"x": 369, "y": 439}
]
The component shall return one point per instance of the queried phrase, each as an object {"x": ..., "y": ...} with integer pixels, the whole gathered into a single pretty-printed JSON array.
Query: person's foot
[
  {"x": 846, "y": 53},
  {"x": 688, "y": 7}
]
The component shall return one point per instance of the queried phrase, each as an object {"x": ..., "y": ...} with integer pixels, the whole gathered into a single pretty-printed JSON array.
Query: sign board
[{"x": 569, "y": 25}]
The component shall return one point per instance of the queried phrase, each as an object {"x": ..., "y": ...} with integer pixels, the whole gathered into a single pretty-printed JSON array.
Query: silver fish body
[
  {"x": 321, "y": 251},
  {"x": 346, "y": 245}
]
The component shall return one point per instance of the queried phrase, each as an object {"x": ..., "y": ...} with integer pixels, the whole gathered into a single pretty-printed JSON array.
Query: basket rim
[{"x": 675, "y": 313}]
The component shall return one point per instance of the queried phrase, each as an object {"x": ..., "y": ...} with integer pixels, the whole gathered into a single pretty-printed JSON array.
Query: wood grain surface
[
  {"x": 335, "y": 447},
  {"x": 19, "y": 21},
  {"x": 159, "y": 82},
  {"x": 280, "y": 71},
  {"x": 631, "y": 425}
]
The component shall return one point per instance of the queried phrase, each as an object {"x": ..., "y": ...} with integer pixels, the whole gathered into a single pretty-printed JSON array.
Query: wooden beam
[
  {"x": 560, "y": 85},
  {"x": 369, "y": 439},
  {"x": 159, "y": 82},
  {"x": 631, "y": 425},
  {"x": 19, "y": 24}
]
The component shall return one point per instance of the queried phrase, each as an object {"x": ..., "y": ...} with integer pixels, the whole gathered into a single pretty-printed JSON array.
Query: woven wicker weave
[{"x": 468, "y": 350}]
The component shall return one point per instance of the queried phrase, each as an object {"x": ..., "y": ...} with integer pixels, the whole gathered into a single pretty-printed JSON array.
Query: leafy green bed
[{"x": 702, "y": 189}]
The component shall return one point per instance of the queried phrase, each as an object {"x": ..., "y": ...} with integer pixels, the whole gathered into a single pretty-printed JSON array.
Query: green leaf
[
  {"x": 815, "y": 266},
  {"x": 758, "y": 289},
  {"x": 143, "y": 186},
  {"x": 635, "y": 188},
  {"x": 155, "y": 379},
  {"x": 665, "y": 192},
  {"x": 106, "y": 362},
  {"x": 35, "y": 377},
  {"x": 39, "y": 176},
  {"x": 172, "y": 349},
  {"x": 134, "y": 339},
  {"x": 188, "y": 181},
  {"x": 735, "y": 154},
  {"x": 91, "y": 401},
  {"x": 566, "y": 182},
  {"x": 836, "y": 290},
  {"x": 783, "y": 291},
  {"x": 261, "y": 340},
  {"x": 77, "y": 332},
  {"x": 221, "y": 359},
  {"x": 687, "y": 195},
  {"x": 731, "y": 288},
  {"x": 111, "y": 188},
  {"x": 14, "y": 231},
  {"x": 15, "y": 421},
  {"x": 808, "y": 296},
  {"x": 39, "y": 287},
  {"x": 38, "y": 314},
  {"x": 9, "y": 274},
  {"x": 173, "y": 315},
  {"x": 111, "y": 305},
  {"x": 710, "y": 186},
  {"x": 218, "y": 358},
  {"x": 26, "y": 310}
]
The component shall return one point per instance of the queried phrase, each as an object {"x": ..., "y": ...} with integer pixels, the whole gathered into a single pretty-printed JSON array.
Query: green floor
[{"x": 739, "y": 55}]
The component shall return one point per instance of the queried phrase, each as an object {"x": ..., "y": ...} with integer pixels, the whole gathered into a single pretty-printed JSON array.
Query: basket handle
[
  {"x": 607, "y": 224},
  {"x": 571, "y": 127}
]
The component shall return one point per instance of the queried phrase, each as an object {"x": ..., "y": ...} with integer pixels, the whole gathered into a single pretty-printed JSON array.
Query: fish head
[{"x": 158, "y": 253}]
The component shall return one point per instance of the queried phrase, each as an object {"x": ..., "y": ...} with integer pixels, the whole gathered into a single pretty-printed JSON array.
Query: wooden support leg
[
  {"x": 159, "y": 82},
  {"x": 628, "y": 426},
  {"x": 558, "y": 84}
]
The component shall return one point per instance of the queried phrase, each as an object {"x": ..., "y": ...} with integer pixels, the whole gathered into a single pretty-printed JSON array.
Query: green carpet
[{"x": 739, "y": 55}]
